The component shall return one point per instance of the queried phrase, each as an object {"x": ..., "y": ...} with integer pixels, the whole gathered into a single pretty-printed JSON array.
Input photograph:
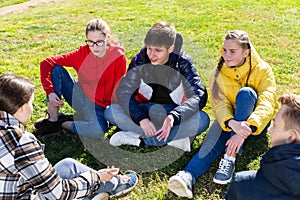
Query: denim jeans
[
  {"x": 193, "y": 126},
  {"x": 92, "y": 122},
  {"x": 69, "y": 168},
  {"x": 216, "y": 138},
  {"x": 244, "y": 179}
]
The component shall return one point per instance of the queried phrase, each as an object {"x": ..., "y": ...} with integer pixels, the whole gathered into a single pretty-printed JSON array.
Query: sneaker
[
  {"x": 61, "y": 118},
  {"x": 125, "y": 138},
  {"x": 48, "y": 128},
  {"x": 225, "y": 172},
  {"x": 183, "y": 144},
  {"x": 181, "y": 184},
  {"x": 124, "y": 187}
]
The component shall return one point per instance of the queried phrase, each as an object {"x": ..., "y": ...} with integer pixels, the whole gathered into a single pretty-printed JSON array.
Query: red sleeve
[
  {"x": 121, "y": 64},
  {"x": 72, "y": 59}
]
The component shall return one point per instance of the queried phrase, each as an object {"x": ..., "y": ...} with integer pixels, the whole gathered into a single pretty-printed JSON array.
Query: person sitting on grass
[
  {"x": 25, "y": 172},
  {"x": 99, "y": 65},
  {"x": 279, "y": 174},
  {"x": 244, "y": 101},
  {"x": 161, "y": 96}
]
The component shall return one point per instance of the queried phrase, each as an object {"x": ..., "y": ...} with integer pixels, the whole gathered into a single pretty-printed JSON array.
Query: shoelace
[{"x": 224, "y": 166}]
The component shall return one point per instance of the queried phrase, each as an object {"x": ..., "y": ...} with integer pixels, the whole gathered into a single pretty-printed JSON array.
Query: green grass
[
  {"x": 54, "y": 28},
  {"x": 4, "y": 3}
]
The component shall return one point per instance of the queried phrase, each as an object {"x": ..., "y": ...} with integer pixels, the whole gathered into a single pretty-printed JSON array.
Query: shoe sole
[
  {"x": 102, "y": 196},
  {"x": 178, "y": 187},
  {"x": 124, "y": 191},
  {"x": 225, "y": 182}
]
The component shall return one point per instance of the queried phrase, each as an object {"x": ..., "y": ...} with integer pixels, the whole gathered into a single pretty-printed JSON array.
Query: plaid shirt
[{"x": 25, "y": 172}]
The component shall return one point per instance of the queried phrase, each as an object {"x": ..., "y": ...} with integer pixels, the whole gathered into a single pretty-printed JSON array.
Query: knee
[
  {"x": 57, "y": 70},
  {"x": 204, "y": 119},
  {"x": 245, "y": 93},
  {"x": 65, "y": 163}
]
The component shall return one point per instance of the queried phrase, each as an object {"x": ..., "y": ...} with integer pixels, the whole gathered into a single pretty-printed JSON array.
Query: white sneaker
[
  {"x": 183, "y": 144},
  {"x": 181, "y": 184},
  {"x": 125, "y": 138}
]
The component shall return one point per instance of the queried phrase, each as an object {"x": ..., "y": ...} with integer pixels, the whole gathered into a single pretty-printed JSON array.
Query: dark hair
[
  {"x": 161, "y": 34},
  {"x": 244, "y": 41},
  {"x": 15, "y": 91},
  {"x": 292, "y": 113}
]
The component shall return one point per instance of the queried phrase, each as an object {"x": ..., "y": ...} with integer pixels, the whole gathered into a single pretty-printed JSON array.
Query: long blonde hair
[{"x": 244, "y": 41}]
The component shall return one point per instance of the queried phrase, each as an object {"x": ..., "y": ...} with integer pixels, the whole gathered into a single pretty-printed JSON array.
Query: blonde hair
[
  {"x": 244, "y": 41},
  {"x": 101, "y": 26}
]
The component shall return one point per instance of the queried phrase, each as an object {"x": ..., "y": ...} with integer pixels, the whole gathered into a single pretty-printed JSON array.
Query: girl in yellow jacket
[{"x": 244, "y": 101}]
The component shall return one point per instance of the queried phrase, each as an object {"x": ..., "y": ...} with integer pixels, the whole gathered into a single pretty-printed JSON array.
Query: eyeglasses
[{"x": 98, "y": 43}]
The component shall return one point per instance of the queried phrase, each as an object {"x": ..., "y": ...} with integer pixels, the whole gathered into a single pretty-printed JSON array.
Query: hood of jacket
[{"x": 281, "y": 167}]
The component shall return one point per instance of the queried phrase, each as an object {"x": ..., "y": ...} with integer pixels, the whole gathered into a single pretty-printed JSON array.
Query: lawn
[{"x": 48, "y": 29}]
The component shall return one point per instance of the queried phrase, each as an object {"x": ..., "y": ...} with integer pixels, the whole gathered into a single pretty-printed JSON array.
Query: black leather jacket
[{"x": 179, "y": 72}]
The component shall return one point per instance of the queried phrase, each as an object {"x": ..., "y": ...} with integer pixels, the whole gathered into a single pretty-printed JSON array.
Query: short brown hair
[
  {"x": 291, "y": 115},
  {"x": 15, "y": 91},
  {"x": 161, "y": 34}
]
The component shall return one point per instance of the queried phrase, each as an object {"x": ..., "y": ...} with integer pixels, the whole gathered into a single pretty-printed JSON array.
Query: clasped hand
[
  {"x": 108, "y": 173},
  {"x": 163, "y": 133},
  {"x": 242, "y": 131}
]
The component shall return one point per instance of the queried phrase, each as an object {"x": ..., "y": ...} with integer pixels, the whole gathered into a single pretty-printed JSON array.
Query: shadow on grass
[{"x": 70, "y": 145}]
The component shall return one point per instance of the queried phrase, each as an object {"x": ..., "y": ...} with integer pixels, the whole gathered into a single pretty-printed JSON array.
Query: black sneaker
[
  {"x": 225, "y": 172},
  {"x": 64, "y": 118},
  {"x": 61, "y": 118},
  {"x": 48, "y": 128}
]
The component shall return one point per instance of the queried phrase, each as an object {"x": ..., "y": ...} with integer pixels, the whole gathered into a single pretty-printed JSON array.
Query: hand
[
  {"x": 166, "y": 128},
  {"x": 108, "y": 174},
  {"x": 241, "y": 128},
  {"x": 234, "y": 144},
  {"x": 148, "y": 127},
  {"x": 54, "y": 100}
]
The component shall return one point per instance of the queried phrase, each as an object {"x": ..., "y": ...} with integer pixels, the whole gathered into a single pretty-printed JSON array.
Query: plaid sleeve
[{"x": 36, "y": 170}]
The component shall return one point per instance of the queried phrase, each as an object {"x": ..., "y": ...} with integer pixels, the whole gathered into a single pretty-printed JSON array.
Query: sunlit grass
[{"x": 26, "y": 38}]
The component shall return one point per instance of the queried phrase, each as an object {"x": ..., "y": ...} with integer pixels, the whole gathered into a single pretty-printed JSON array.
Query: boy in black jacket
[
  {"x": 279, "y": 173},
  {"x": 161, "y": 97}
]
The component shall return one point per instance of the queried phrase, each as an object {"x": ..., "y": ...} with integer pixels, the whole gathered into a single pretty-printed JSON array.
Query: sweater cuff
[
  {"x": 227, "y": 122},
  {"x": 253, "y": 128}
]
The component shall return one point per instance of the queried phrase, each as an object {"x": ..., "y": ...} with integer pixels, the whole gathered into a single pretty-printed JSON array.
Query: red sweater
[{"x": 98, "y": 77}]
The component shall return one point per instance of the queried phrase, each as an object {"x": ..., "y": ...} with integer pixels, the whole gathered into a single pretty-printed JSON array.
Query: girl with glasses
[{"x": 99, "y": 66}]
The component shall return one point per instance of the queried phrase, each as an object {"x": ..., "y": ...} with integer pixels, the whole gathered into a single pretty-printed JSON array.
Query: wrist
[{"x": 230, "y": 123}]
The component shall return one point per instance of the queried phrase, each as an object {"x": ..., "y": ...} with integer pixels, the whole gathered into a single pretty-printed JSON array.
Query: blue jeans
[
  {"x": 92, "y": 122},
  {"x": 69, "y": 168},
  {"x": 216, "y": 138},
  {"x": 193, "y": 126}
]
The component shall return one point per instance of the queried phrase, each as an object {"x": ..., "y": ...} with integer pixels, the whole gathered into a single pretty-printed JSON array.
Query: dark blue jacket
[
  {"x": 277, "y": 179},
  {"x": 167, "y": 82}
]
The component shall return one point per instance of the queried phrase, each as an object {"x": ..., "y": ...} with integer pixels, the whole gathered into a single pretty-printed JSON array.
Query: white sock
[{"x": 230, "y": 158}]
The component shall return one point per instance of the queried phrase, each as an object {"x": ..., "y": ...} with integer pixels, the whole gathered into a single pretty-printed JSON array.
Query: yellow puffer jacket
[{"x": 231, "y": 80}]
